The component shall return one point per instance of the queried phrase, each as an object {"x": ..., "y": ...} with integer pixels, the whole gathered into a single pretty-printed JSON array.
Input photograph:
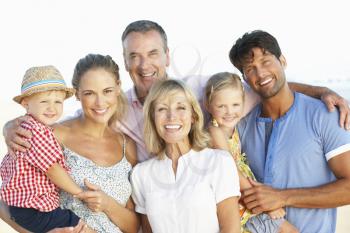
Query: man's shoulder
[{"x": 311, "y": 104}]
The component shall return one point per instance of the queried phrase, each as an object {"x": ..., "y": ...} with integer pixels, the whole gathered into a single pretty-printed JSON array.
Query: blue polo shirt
[{"x": 292, "y": 152}]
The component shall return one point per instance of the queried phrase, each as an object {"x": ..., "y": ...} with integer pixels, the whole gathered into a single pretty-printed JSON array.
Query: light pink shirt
[{"x": 132, "y": 124}]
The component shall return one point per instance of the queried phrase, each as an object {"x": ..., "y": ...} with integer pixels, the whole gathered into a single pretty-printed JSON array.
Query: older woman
[
  {"x": 99, "y": 159},
  {"x": 186, "y": 187}
]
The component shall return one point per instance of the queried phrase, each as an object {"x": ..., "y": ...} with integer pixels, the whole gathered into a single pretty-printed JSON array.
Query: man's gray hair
[{"x": 144, "y": 26}]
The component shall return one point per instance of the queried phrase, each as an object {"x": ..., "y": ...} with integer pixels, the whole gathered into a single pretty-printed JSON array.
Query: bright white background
[{"x": 314, "y": 37}]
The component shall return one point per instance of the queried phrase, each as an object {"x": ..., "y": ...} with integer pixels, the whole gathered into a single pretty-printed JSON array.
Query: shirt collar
[
  {"x": 134, "y": 99},
  {"x": 37, "y": 123}
]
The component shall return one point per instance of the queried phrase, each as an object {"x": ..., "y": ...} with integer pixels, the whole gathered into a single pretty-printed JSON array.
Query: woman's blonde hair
[
  {"x": 219, "y": 82},
  {"x": 155, "y": 144}
]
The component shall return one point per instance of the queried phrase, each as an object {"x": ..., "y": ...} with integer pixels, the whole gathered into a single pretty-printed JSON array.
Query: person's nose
[
  {"x": 171, "y": 114},
  {"x": 51, "y": 107},
  {"x": 144, "y": 63},
  {"x": 261, "y": 72},
  {"x": 99, "y": 100}
]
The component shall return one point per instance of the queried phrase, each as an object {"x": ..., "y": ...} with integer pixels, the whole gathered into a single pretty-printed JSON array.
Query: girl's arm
[{"x": 219, "y": 141}]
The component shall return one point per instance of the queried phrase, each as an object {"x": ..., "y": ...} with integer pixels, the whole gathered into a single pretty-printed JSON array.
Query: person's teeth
[
  {"x": 266, "y": 81},
  {"x": 148, "y": 75},
  {"x": 100, "y": 111},
  {"x": 172, "y": 126}
]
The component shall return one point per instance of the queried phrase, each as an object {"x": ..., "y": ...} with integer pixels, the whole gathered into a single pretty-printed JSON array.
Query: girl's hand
[
  {"x": 95, "y": 199},
  {"x": 275, "y": 214}
]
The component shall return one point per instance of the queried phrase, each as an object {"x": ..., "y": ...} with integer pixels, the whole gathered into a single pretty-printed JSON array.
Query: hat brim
[{"x": 69, "y": 92}]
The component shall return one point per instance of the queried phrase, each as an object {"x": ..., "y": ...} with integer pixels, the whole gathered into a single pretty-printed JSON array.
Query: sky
[{"x": 314, "y": 37}]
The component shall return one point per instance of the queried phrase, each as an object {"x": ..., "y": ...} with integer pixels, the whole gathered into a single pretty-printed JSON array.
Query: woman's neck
[
  {"x": 175, "y": 150},
  {"x": 91, "y": 128}
]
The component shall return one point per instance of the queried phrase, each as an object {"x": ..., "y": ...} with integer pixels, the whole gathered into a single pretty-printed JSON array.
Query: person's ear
[
  {"x": 24, "y": 103},
  {"x": 283, "y": 61},
  {"x": 167, "y": 64},
  {"x": 126, "y": 63},
  {"x": 77, "y": 96}
]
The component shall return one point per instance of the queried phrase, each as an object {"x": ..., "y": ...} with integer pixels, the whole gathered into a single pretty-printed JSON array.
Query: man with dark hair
[{"x": 293, "y": 144}]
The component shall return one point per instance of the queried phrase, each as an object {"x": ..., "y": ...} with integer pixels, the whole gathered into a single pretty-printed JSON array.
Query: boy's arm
[{"x": 62, "y": 179}]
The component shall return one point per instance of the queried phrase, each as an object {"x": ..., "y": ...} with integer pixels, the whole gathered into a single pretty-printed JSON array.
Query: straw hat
[{"x": 40, "y": 79}]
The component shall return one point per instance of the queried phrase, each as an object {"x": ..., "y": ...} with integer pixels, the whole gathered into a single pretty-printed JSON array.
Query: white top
[{"x": 185, "y": 202}]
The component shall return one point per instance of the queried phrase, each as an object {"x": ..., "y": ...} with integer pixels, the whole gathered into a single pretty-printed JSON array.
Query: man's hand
[
  {"x": 261, "y": 198},
  {"x": 333, "y": 100},
  {"x": 14, "y": 135}
]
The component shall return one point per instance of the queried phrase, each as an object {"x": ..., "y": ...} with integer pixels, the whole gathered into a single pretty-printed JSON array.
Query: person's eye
[
  {"x": 87, "y": 93},
  {"x": 154, "y": 53},
  {"x": 43, "y": 101},
  {"x": 266, "y": 62},
  {"x": 58, "y": 102},
  {"x": 108, "y": 91}
]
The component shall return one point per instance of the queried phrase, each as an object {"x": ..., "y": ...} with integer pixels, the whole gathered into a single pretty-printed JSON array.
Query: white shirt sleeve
[
  {"x": 225, "y": 179},
  {"x": 138, "y": 190}
]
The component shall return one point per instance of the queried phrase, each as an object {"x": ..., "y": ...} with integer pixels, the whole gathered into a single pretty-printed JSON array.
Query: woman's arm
[
  {"x": 228, "y": 215},
  {"x": 123, "y": 217},
  {"x": 146, "y": 227},
  {"x": 130, "y": 151}
]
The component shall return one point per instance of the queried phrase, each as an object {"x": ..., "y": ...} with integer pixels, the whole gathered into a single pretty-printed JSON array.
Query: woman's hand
[{"x": 94, "y": 198}]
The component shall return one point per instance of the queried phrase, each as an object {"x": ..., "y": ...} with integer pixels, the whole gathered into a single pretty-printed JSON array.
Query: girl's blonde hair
[
  {"x": 219, "y": 82},
  {"x": 155, "y": 144}
]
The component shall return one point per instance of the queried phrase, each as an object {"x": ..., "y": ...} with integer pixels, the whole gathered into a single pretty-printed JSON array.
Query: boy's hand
[
  {"x": 80, "y": 228},
  {"x": 14, "y": 135}
]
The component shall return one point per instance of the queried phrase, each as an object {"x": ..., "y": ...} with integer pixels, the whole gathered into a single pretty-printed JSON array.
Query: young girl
[{"x": 224, "y": 98}]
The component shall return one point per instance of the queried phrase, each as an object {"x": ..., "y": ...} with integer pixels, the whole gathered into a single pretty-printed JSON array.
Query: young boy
[{"x": 30, "y": 180}]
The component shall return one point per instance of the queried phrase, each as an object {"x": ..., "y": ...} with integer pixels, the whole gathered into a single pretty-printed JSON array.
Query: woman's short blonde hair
[
  {"x": 155, "y": 144},
  {"x": 219, "y": 82}
]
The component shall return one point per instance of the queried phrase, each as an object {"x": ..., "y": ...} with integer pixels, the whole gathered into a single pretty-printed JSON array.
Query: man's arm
[
  {"x": 14, "y": 135},
  {"x": 262, "y": 198},
  {"x": 330, "y": 98}
]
